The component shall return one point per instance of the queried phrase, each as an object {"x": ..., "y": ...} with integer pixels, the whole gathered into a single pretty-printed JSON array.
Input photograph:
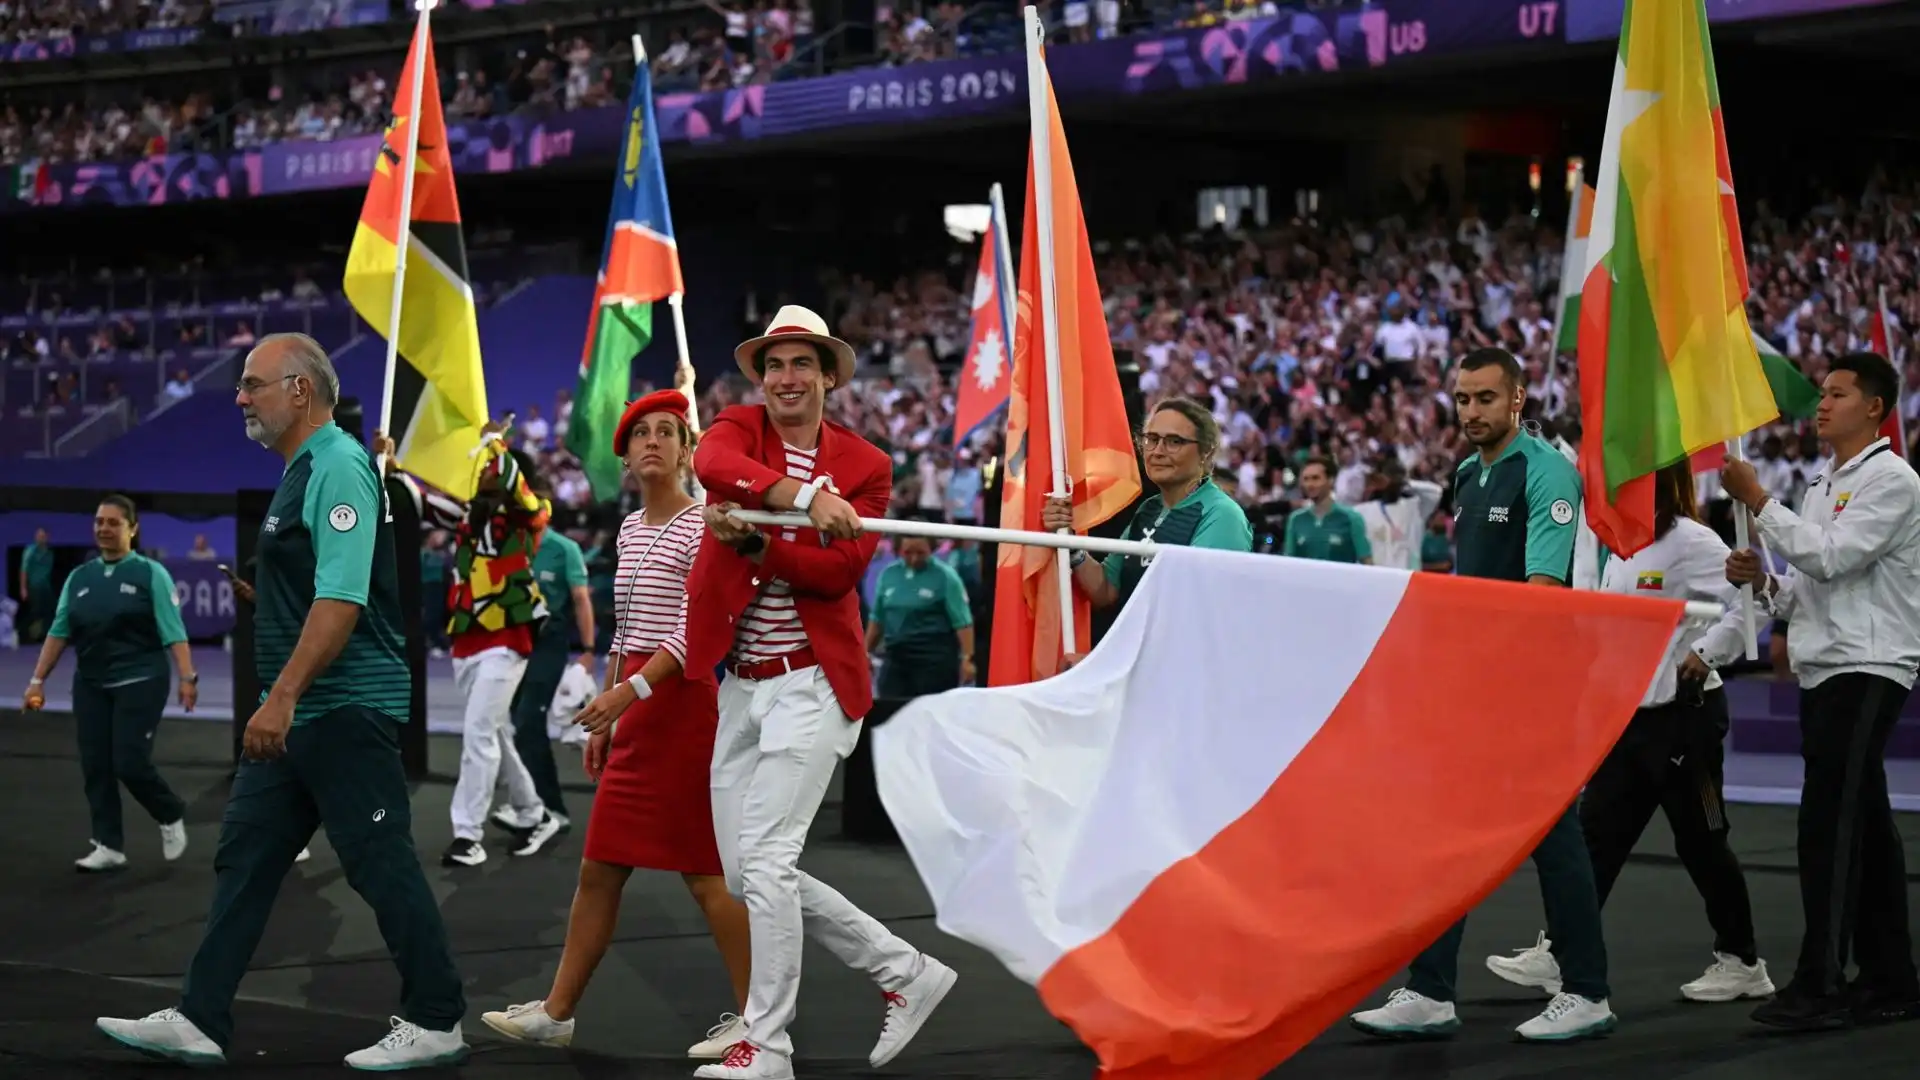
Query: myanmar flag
[
  {"x": 1027, "y": 626},
  {"x": 1668, "y": 364},
  {"x": 640, "y": 264},
  {"x": 439, "y": 396}
]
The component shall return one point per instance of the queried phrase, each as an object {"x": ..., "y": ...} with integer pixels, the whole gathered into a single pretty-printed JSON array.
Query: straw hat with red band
[
  {"x": 666, "y": 401},
  {"x": 795, "y": 323}
]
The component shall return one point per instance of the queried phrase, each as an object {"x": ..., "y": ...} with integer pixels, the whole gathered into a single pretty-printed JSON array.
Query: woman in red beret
[{"x": 652, "y": 808}]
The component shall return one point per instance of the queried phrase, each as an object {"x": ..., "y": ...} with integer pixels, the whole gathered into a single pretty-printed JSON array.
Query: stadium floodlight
[{"x": 967, "y": 222}]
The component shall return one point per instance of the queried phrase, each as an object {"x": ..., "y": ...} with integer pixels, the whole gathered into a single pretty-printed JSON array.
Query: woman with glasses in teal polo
[{"x": 1188, "y": 510}]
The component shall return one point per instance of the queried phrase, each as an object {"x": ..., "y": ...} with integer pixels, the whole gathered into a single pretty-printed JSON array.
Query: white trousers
[
  {"x": 487, "y": 681},
  {"x": 778, "y": 743}
]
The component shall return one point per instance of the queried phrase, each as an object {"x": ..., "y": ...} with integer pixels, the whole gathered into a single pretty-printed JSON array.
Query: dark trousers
[
  {"x": 1853, "y": 873},
  {"x": 530, "y": 704},
  {"x": 919, "y": 666},
  {"x": 115, "y": 727},
  {"x": 1671, "y": 759},
  {"x": 1573, "y": 923},
  {"x": 343, "y": 771},
  {"x": 38, "y": 617},
  {"x": 433, "y": 598}
]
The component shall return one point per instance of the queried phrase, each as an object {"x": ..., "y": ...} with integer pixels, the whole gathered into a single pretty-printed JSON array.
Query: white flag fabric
[{"x": 1272, "y": 784}]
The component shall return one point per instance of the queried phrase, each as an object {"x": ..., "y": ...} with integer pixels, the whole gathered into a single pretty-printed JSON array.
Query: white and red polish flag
[{"x": 1271, "y": 785}]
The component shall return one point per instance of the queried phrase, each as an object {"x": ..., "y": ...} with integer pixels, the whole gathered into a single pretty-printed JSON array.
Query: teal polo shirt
[
  {"x": 917, "y": 605},
  {"x": 1517, "y": 516},
  {"x": 1339, "y": 535},
  {"x": 560, "y": 567},
  {"x": 1207, "y": 517},
  {"x": 120, "y": 617}
]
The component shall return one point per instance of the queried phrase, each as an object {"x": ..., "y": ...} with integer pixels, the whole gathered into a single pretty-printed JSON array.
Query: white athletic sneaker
[
  {"x": 173, "y": 840},
  {"x": 908, "y": 1009},
  {"x": 1408, "y": 1015},
  {"x": 1533, "y": 966},
  {"x": 513, "y": 821},
  {"x": 1568, "y": 1017},
  {"x": 100, "y": 860},
  {"x": 529, "y": 1023},
  {"x": 748, "y": 1061},
  {"x": 549, "y": 827},
  {"x": 305, "y": 854},
  {"x": 165, "y": 1034},
  {"x": 1730, "y": 980},
  {"x": 731, "y": 1029},
  {"x": 410, "y": 1046}
]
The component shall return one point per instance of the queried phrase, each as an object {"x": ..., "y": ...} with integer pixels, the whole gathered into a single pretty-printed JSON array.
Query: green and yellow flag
[
  {"x": 439, "y": 401},
  {"x": 1668, "y": 364}
]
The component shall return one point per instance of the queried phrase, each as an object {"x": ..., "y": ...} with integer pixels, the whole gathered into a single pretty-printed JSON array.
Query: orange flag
[{"x": 1099, "y": 442}]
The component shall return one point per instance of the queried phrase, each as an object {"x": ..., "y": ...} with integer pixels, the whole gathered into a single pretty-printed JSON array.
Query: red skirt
[{"x": 653, "y": 809}]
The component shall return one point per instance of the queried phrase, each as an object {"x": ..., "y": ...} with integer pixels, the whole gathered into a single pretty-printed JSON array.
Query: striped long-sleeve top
[
  {"x": 770, "y": 627},
  {"x": 650, "y": 583}
]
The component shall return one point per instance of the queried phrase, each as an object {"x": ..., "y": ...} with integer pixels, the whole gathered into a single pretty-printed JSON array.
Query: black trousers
[
  {"x": 115, "y": 727},
  {"x": 343, "y": 771},
  {"x": 1671, "y": 758},
  {"x": 530, "y": 704},
  {"x": 921, "y": 665},
  {"x": 1853, "y": 872},
  {"x": 1573, "y": 923}
]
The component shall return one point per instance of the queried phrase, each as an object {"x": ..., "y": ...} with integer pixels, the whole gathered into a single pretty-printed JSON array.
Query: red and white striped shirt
[
  {"x": 770, "y": 627},
  {"x": 650, "y": 593}
]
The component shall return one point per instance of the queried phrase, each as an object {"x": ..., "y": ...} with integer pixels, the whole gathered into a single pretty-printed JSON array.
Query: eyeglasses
[
  {"x": 251, "y": 387},
  {"x": 1150, "y": 440}
]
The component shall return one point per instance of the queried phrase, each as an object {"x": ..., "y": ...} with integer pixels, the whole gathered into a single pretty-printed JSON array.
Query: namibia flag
[
  {"x": 439, "y": 396},
  {"x": 640, "y": 264}
]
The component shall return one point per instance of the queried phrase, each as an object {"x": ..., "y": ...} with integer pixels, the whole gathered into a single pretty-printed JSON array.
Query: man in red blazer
[{"x": 780, "y": 609}]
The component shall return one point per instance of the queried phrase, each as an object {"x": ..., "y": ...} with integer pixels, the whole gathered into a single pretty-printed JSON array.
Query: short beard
[{"x": 264, "y": 433}]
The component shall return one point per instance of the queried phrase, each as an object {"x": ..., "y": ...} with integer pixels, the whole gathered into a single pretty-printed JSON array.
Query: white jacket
[
  {"x": 1396, "y": 531},
  {"x": 1688, "y": 563},
  {"x": 1852, "y": 599}
]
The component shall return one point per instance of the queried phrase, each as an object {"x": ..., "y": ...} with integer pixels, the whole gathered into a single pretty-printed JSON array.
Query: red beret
[{"x": 666, "y": 401}]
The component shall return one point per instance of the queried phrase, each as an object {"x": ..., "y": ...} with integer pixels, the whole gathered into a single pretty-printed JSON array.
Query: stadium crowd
[{"x": 1335, "y": 341}]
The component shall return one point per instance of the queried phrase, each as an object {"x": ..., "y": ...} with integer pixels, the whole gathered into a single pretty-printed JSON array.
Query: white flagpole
[
  {"x": 1003, "y": 266},
  {"x": 1569, "y": 278},
  {"x": 1742, "y": 540},
  {"x": 407, "y": 160},
  {"x": 1704, "y": 611},
  {"x": 1048, "y": 300}
]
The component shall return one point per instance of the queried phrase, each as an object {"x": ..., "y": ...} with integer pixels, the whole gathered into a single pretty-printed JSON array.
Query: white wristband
[
  {"x": 640, "y": 688},
  {"x": 804, "y": 500}
]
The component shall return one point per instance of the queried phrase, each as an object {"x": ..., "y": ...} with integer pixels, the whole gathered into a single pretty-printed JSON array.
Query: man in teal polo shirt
[
  {"x": 1324, "y": 529},
  {"x": 1517, "y": 509},
  {"x": 323, "y": 745},
  {"x": 921, "y": 618},
  {"x": 36, "y": 588},
  {"x": 560, "y": 567}
]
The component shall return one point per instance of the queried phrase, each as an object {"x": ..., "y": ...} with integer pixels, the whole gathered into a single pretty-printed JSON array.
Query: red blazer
[{"x": 739, "y": 457}]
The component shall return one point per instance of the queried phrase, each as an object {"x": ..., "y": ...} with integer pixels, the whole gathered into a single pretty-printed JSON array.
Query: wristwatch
[
  {"x": 192, "y": 678},
  {"x": 1077, "y": 558},
  {"x": 753, "y": 544}
]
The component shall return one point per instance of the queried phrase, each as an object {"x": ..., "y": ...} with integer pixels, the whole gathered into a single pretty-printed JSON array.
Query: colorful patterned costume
[{"x": 493, "y": 586}]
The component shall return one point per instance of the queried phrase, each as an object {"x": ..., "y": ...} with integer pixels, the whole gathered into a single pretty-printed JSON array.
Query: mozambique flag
[
  {"x": 1668, "y": 364},
  {"x": 1027, "y": 626},
  {"x": 439, "y": 396},
  {"x": 639, "y": 264}
]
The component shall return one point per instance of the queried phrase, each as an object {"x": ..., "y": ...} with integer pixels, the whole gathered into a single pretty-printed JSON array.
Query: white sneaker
[
  {"x": 1533, "y": 966},
  {"x": 908, "y": 1009},
  {"x": 731, "y": 1029},
  {"x": 410, "y": 1046},
  {"x": 529, "y": 1023},
  {"x": 165, "y": 1034},
  {"x": 748, "y": 1061},
  {"x": 305, "y": 854},
  {"x": 173, "y": 840},
  {"x": 549, "y": 827},
  {"x": 1408, "y": 1015},
  {"x": 1568, "y": 1017},
  {"x": 1730, "y": 980},
  {"x": 514, "y": 821},
  {"x": 100, "y": 860}
]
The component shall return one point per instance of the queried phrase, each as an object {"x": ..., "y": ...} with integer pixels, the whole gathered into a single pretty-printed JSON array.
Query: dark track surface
[{"x": 73, "y": 947}]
